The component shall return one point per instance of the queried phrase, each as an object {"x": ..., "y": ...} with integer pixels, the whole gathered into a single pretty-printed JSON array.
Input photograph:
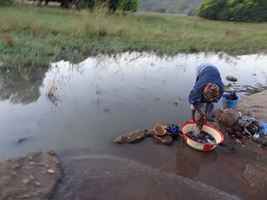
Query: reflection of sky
[{"x": 103, "y": 96}]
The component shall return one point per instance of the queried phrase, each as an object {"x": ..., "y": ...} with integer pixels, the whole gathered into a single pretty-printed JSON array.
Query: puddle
[{"x": 102, "y": 97}]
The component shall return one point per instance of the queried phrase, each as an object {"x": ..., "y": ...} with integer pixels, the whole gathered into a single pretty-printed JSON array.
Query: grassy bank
[{"x": 36, "y": 36}]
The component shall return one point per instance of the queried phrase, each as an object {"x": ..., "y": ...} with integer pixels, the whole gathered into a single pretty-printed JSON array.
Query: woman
[{"x": 208, "y": 89}]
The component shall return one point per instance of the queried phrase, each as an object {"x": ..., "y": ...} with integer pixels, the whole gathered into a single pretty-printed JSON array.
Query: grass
[{"x": 31, "y": 36}]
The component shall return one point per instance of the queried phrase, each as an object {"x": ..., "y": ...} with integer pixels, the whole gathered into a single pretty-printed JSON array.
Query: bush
[
  {"x": 128, "y": 5},
  {"x": 5, "y": 2},
  {"x": 235, "y": 10}
]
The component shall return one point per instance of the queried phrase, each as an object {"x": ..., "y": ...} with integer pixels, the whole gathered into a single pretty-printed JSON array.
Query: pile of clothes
[{"x": 248, "y": 126}]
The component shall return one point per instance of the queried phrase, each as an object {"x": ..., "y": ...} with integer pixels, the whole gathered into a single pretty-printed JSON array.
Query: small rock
[
  {"x": 166, "y": 139},
  {"x": 14, "y": 173},
  {"x": 52, "y": 153},
  {"x": 37, "y": 183},
  {"x": 238, "y": 141},
  {"x": 25, "y": 196},
  {"x": 31, "y": 177},
  {"x": 16, "y": 166},
  {"x": 50, "y": 171},
  {"x": 31, "y": 163},
  {"x": 231, "y": 78},
  {"x": 30, "y": 158},
  {"x": 20, "y": 140},
  {"x": 26, "y": 181}
]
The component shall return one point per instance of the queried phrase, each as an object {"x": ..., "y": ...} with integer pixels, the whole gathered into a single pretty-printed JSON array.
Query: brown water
[{"x": 102, "y": 97}]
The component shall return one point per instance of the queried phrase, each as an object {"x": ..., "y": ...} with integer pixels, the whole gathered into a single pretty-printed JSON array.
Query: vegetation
[
  {"x": 125, "y": 5},
  {"x": 241, "y": 10},
  {"x": 33, "y": 37},
  {"x": 128, "y": 5},
  {"x": 5, "y": 2}
]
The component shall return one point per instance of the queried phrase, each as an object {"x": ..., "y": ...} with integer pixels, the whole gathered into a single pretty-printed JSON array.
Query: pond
[{"x": 105, "y": 96}]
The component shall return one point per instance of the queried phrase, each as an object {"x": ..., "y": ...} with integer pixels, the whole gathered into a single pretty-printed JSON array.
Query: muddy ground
[
  {"x": 255, "y": 104},
  {"x": 237, "y": 169}
]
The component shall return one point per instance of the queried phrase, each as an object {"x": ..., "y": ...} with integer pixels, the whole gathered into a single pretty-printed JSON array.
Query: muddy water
[{"x": 102, "y": 97}]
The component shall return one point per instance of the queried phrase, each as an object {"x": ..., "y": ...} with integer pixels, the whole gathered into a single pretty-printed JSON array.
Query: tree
[{"x": 237, "y": 10}]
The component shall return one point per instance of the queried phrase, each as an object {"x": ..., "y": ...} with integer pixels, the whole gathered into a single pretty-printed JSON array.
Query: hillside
[{"x": 168, "y": 6}]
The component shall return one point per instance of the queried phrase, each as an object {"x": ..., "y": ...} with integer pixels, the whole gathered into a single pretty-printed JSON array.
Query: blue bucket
[{"x": 229, "y": 103}]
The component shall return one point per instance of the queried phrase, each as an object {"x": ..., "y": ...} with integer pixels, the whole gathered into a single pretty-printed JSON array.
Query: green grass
[{"x": 37, "y": 36}]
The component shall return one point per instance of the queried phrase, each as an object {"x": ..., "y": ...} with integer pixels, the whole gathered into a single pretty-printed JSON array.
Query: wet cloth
[
  {"x": 205, "y": 73},
  {"x": 201, "y": 138},
  {"x": 250, "y": 125},
  {"x": 263, "y": 128}
]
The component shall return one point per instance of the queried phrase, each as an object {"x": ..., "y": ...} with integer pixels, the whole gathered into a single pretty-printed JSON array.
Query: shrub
[
  {"x": 237, "y": 10},
  {"x": 128, "y": 5}
]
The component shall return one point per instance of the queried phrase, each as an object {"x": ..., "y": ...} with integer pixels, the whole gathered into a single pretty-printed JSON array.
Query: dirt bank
[
  {"x": 33, "y": 176},
  {"x": 255, "y": 104}
]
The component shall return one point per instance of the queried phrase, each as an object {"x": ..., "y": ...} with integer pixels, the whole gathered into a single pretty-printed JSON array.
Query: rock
[
  {"x": 16, "y": 166},
  {"x": 50, "y": 171},
  {"x": 238, "y": 141},
  {"x": 20, "y": 140},
  {"x": 26, "y": 181},
  {"x": 166, "y": 139},
  {"x": 132, "y": 136},
  {"x": 31, "y": 163},
  {"x": 228, "y": 118},
  {"x": 37, "y": 183},
  {"x": 231, "y": 78},
  {"x": 25, "y": 196}
]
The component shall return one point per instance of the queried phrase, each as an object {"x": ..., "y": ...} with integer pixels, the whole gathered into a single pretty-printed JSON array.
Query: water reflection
[
  {"x": 190, "y": 161},
  {"x": 21, "y": 84}
]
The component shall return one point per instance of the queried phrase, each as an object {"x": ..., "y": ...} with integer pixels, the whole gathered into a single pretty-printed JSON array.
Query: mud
[{"x": 255, "y": 104}]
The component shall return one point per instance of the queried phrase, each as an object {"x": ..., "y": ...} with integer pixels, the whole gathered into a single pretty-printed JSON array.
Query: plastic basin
[
  {"x": 215, "y": 133},
  {"x": 229, "y": 103}
]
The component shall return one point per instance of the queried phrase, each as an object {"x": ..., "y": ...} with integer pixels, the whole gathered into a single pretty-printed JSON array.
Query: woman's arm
[{"x": 196, "y": 108}]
